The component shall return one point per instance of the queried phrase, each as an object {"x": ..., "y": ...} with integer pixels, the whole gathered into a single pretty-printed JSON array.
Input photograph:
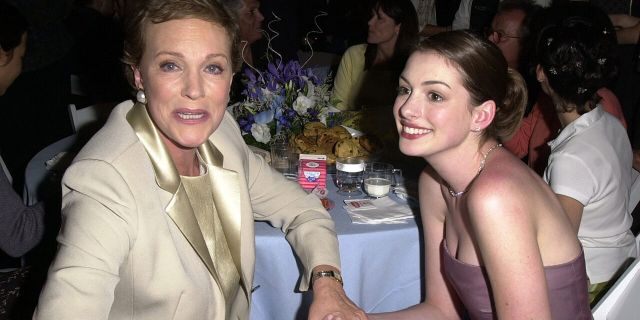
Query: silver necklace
[{"x": 482, "y": 163}]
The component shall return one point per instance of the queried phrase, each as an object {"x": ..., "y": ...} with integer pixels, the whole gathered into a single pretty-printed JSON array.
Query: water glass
[
  {"x": 283, "y": 157},
  {"x": 379, "y": 177},
  {"x": 349, "y": 175}
]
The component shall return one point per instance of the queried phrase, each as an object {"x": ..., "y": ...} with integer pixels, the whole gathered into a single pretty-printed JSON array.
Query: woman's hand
[{"x": 330, "y": 302}]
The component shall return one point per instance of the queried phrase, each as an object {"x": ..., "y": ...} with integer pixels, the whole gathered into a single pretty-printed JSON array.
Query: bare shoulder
[{"x": 506, "y": 186}]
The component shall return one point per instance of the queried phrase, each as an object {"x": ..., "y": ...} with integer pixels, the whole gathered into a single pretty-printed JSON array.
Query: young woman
[{"x": 497, "y": 242}]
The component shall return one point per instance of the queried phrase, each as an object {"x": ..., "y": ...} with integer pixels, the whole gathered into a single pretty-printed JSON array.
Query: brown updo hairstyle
[
  {"x": 143, "y": 12},
  {"x": 485, "y": 74}
]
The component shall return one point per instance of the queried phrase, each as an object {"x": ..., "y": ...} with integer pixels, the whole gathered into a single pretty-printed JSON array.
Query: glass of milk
[{"x": 378, "y": 178}]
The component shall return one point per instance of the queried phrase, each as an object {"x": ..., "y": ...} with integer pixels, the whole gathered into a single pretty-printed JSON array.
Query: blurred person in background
[
  {"x": 21, "y": 227},
  {"x": 368, "y": 72}
]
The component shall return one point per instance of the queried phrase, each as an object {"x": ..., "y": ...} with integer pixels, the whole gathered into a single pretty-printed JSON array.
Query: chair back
[
  {"x": 44, "y": 171},
  {"x": 90, "y": 116},
  {"x": 621, "y": 302},
  {"x": 634, "y": 194}
]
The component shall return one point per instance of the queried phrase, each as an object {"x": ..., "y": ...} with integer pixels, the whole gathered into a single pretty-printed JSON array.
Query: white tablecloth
[{"x": 381, "y": 266}]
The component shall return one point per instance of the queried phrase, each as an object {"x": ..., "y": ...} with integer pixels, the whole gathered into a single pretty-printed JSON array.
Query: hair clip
[
  {"x": 549, "y": 41},
  {"x": 581, "y": 90},
  {"x": 602, "y": 61},
  {"x": 553, "y": 71}
]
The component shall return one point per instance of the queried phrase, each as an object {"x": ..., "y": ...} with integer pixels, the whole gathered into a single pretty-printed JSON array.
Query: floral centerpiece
[{"x": 280, "y": 101}]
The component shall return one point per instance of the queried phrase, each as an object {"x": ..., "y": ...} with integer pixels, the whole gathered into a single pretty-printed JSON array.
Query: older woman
[
  {"x": 368, "y": 73},
  {"x": 158, "y": 207},
  {"x": 497, "y": 242}
]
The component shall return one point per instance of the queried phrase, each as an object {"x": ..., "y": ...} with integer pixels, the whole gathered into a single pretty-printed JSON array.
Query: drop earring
[{"x": 140, "y": 96}]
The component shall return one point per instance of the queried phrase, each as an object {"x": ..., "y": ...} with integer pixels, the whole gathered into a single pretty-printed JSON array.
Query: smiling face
[
  {"x": 382, "y": 28},
  {"x": 186, "y": 73},
  {"x": 432, "y": 109},
  {"x": 250, "y": 21}
]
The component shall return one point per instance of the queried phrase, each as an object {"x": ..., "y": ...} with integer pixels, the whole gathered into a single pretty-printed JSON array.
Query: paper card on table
[
  {"x": 379, "y": 211},
  {"x": 358, "y": 204}
]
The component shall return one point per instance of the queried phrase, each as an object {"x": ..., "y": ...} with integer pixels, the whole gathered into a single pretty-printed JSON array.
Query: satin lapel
[
  {"x": 179, "y": 208},
  {"x": 226, "y": 195}
]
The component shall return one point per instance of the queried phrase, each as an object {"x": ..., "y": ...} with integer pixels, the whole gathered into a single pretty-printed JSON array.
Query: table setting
[
  {"x": 380, "y": 250},
  {"x": 286, "y": 116}
]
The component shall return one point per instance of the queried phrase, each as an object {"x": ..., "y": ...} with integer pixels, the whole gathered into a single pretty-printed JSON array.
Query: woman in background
[
  {"x": 497, "y": 243},
  {"x": 368, "y": 72},
  {"x": 590, "y": 163},
  {"x": 249, "y": 18},
  {"x": 21, "y": 227}
]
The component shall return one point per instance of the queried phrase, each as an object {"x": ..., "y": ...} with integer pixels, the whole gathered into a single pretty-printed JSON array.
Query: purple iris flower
[
  {"x": 254, "y": 92},
  {"x": 274, "y": 72},
  {"x": 245, "y": 122},
  {"x": 272, "y": 84},
  {"x": 250, "y": 75}
]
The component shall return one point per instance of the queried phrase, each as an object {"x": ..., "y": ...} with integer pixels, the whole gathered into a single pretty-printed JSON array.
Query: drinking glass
[
  {"x": 283, "y": 158},
  {"x": 379, "y": 177},
  {"x": 349, "y": 175}
]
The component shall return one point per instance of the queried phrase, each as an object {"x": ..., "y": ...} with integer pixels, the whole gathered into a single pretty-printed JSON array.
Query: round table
[{"x": 381, "y": 267}]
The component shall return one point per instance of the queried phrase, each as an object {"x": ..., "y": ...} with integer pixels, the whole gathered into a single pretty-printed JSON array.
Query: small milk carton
[{"x": 312, "y": 171}]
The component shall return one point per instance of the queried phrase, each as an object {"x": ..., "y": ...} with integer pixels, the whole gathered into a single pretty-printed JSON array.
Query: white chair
[
  {"x": 48, "y": 164},
  {"x": 89, "y": 116},
  {"x": 621, "y": 301}
]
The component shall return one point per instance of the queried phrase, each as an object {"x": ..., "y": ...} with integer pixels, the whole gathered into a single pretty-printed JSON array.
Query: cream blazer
[{"x": 129, "y": 245}]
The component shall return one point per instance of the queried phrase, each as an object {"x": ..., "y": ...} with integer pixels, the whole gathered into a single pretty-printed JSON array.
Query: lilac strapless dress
[{"x": 567, "y": 285}]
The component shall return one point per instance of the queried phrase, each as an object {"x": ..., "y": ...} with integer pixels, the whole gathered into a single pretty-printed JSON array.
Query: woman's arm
[
  {"x": 573, "y": 209},
  {"x": 95, "y": 238},
  {"x": 506, "y": 241},
  {"x": 21, "y": 227},
  {"x": 441, "y": 302}
]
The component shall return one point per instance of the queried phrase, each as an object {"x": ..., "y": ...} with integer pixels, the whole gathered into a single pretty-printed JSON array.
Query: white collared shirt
[{"x": 590, "y": 162}]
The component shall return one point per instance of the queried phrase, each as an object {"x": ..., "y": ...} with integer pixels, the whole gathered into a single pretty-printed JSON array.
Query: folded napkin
[{"x": 378, "y": 211}]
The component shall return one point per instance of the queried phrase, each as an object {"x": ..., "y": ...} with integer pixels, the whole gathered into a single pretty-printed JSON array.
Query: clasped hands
[{"x": 330, "y": 302}]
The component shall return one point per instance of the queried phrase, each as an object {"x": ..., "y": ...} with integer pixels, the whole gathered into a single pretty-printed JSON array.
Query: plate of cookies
[{"x": 335, "y": 142}]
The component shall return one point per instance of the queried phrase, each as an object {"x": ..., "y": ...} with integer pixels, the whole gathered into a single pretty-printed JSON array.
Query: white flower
[
  {"x": 302, "y": 103},
  {"x": 261, "y": 132}
]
